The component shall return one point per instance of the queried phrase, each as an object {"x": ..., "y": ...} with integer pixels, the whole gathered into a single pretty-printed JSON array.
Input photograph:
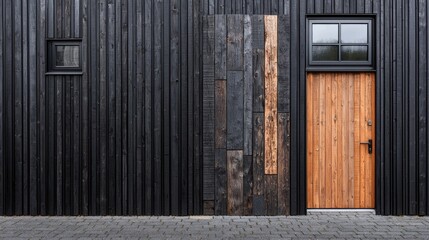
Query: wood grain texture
[
  {"x": 258, "y": 157},
  {"x": 220, "y": 47},
  {"x": 235, "y": 182},
  {"x": 235, "y": 110},
  {"x": 284, "y": 164},
  {"x": 221, "y": 182},
  {"x": 208, "y": 109},
  {"x": 221, "y": 113},
  {"x": 234, "y": 61},
  {"x": 247, "y": 86},
  {"x": 270, "y": 113},
  {"x": 341, "y": 172}
]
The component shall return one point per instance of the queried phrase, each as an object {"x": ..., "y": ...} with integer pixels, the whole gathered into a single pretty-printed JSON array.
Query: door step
[{"x": 345, "y": 210}]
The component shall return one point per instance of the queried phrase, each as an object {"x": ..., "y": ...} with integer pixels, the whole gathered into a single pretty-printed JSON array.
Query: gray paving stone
[{"x": 312, "y": 226}]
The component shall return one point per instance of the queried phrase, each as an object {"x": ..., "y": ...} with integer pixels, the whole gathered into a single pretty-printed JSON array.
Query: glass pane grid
[{"x": 347, "y": 41}]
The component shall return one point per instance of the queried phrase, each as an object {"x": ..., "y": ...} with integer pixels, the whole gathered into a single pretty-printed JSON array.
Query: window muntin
[{"x": 340, "y": 42}]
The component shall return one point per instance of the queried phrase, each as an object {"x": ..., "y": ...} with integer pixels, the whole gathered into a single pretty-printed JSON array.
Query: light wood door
[{"x": 340, "y": 119}]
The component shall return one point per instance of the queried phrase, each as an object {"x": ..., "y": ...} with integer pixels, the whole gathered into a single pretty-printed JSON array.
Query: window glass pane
[
  {"x": 325, "y": 53},
  {"x": 325, "y": 33},
  {"x": 354, "y": 33},
  {"x": 354, "y": 53},
  {"x": 67, "y": 56}
]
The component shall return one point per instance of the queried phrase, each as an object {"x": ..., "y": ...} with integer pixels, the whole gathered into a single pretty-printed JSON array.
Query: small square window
[
  {"x": 64, "y": 56},
  {"x": 339, "y": 43}
]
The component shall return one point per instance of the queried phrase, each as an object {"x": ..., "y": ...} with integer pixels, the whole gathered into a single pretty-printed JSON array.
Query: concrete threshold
[{"x": 340, "y": 210}]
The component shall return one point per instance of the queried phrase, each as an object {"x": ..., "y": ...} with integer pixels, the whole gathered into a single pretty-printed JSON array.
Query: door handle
[{"x": 369, "y": 145}]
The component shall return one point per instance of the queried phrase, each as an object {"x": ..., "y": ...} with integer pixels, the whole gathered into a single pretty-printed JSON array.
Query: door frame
[{"x": 301, "y": 139}]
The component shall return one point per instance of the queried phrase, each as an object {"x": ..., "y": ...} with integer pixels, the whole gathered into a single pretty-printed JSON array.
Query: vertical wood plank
[
  {"x": 25, "y": 107},
  {"x": 220, "y": 106},
  {"x": 198, "y": 136},
  {"x": 258, "y": 164},
  {"x": 111, "y": 98},
  {"x": 157, "y": 114},
  {"x": 271, "y": 194},
  {"x": 208, "y": 108},
  {"x": 124, "y": 107},
  {"x": 220, "y": 47},
  {"x": 248, "y": 86},
  {"x": 2, "y": 158},
  {"x": 18, "y": 106},
  {"x": 118, "y": 108},
  {"x": 84, "y": 107},
  {"x": 37, "y": 86},
  {"x": 140, "y": 148},
  {"x": 221, "y": 181},
  {"x": 235, "y": 40},
  {"x": 103, "y": 106},
  {"x": 247, "y": 185},
  {"x": 8, "y": 89},
  {"x": 258, "y": 65},
  {"x": 183, "y": 127},
  {"x": 131, "y": 71},
  {"x": 284, "y": 168},
  {"x": 270, "y": 94},
  {"x": 166, "y": 107},
  {"x": 283, "y": 64},
  {"x": 148, "y": 106},
  {"x": 235, "y": 110},
  {"x": 235, "y": 182},
  {"x": 423, "y": 166}
]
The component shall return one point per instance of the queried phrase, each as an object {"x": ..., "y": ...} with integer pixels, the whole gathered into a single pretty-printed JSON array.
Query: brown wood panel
[
  {"x": 235, "y": 182},
  {"x": 270, "y": 94},
  {"x": 340, "y": 171}
]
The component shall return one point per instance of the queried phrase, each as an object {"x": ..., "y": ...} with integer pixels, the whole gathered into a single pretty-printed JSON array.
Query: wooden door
[{"x": 340, "y": 119}]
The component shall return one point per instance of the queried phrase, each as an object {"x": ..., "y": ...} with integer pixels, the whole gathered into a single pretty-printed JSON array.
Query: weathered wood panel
[
  {"x": 270, "y": 94},
  {"x": 220, "y": 47},
  {"x": 284, "y": 164},
  {"x": 235, "y": 110},
  {"x": 208, "y": 108},
  {"x": 248, "y": 86},
  {"x": 258, "y": 164},
  {"x": 235, "y": 182},
  {"x": 235, "y": 40},
  {"x": 251, "y": 93}
]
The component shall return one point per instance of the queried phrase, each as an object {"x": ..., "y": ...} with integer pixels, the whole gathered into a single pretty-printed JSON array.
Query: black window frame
[
  {"x": 340, "y": 65},
  {"x": 52, "y": 57}
]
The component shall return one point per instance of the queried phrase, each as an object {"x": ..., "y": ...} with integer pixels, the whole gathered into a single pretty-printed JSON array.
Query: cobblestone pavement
[{"x": 312, "y": 226}]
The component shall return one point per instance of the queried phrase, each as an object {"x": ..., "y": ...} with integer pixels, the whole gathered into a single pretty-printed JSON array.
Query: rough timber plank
[
  {"x": 235, "y": 182},
  {"x": 208, "y": 108},
  {"x": 270, "y": 95},
  {"x": 220, "y": 47},
  {"x": 234, "y": 43},
  {"x": 248, "y": 86},
  {"x": 258, "y": 164},
  {"x": 284, "y": 161},
  {"x": 220, "y": 110},
  {"x": 221, "y": 181},
  {"x": 235, "y": 110}
]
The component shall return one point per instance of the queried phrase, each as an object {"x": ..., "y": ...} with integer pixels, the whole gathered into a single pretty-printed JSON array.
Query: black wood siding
[{"x": 123, "y": 138}]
